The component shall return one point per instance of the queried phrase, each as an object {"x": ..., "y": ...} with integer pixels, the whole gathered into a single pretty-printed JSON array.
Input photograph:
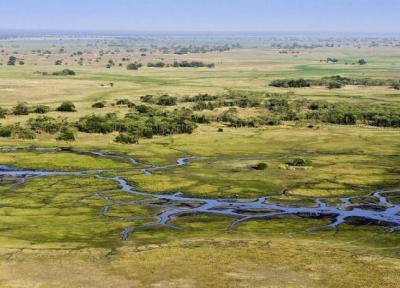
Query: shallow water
[{"x": 379, "y": 211}]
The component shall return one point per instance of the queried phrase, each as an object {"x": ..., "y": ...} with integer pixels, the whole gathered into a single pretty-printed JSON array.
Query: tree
[
  {"x": 12, "y": 60},
  {"x": 362, "y": 62},
  {"x": 134, "y": 66},
  {"x": 66, "y": 106}
]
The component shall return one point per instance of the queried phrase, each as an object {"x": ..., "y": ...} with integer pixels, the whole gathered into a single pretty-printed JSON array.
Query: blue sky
[{"x": 203, "y": 15}]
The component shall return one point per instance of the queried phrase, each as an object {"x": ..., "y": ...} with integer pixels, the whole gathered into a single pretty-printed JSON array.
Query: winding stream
[{"x": 378, "y": 211}]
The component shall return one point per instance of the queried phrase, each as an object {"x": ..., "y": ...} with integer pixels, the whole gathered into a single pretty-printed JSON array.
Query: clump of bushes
[
  {"x": 21, "y": 109},
  {"x": 46, "y": 124},
  {"x": 65, "y": 72},
  {"x": 334, "y": 85},
  {"x": 134, "y": 66},
  {"x": 96, "y": 124},
  {"x": 192, "y": 64},
  {"x": 166, "y": 100},
  {"x": 125, "y": 138},
  {"x": 41, "y": 109},
  {"x": 66, "y": 106},
  {"x": 100, "y": 104},
  {"x": 299, "y": 162},
  {"x": 127, "y": 102},
  {"x": 291, "y": 83},
  {"x": 163, "y": 100},
  {"x": 156, "y": 65},
  {"x": 200, "y": 98},
  {"x": 17, "y": 131},
  {"x": 66, "y": 134}
]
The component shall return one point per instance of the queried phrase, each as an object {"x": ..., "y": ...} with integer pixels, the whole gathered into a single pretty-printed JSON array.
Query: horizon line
[{"x": 89, "y": 30}]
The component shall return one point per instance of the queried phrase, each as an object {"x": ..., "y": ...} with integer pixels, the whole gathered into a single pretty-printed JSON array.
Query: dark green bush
[
  {"x": 65, "y": 72},
  {"x": 66, "y": 106},
  {"x": 95, "y": 124},
  {"x": 5, "y": 131},
  {"x": 261, "y": 166},
  {"x": 291, "y": 83},
  {"x": 100, "y": 104},
  {"x": 125, "y": 138}
]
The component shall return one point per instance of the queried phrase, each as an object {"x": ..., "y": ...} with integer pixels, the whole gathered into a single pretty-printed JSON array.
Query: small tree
[
  {"x": 12, "y": 60},
  {"x": 362, "y": 62},
  {"x": 133, "y": 66},
  {"x": 66, "y": 106}
]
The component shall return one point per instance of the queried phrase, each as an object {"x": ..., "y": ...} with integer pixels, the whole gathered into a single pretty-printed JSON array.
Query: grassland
[{"x": 51, "y": 231}]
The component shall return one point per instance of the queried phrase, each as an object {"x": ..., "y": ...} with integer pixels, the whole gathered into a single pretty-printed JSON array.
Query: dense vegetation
[
  {"x": 331, "y": 82},
  {"x": 151, "y": 119}
]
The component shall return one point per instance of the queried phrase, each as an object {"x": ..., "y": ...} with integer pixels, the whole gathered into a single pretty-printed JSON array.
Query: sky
[{"x": 374, "y": 16}]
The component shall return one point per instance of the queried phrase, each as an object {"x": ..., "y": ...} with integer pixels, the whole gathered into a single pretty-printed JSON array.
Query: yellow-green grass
[
  {"x": 346, "y": 161},
  {"x": 58, "y": 161}
]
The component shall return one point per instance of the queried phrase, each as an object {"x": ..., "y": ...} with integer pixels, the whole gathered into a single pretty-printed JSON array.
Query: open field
[{"x": 56, "y": 232}]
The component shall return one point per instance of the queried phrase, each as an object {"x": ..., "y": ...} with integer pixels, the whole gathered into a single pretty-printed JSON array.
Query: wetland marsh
[{"x": 175, "y": 176}]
